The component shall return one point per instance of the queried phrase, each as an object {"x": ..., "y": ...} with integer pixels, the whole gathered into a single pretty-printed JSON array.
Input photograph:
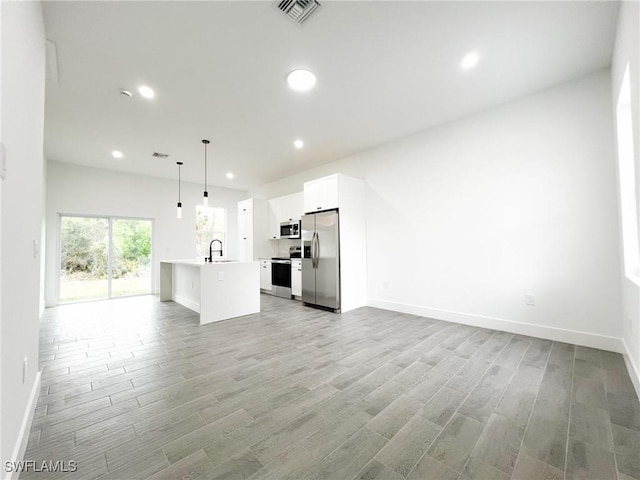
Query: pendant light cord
[{"x": 205, "y": 167}]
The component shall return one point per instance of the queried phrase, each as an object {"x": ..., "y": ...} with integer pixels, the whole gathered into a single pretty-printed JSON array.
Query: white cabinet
[
  {"x": 275, "y": 208},
  {"x": 296, "y": 278},
  {"x": 265, "y": 275},
  {"x": 292, "y": 207},
  {"x": 245, "y": 230},
  {"x": 321, "y": 194},
  {"x": 284, "y": 209},
  {"x": 252, "y": 224}
]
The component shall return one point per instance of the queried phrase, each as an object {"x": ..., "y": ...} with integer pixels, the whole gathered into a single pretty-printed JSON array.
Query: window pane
[
  {"x": 628, "y": 187},
  {"x": 131, "y": 262},
  {"x": 83, "y": 258},
  {"x": 211, "y": 223}
]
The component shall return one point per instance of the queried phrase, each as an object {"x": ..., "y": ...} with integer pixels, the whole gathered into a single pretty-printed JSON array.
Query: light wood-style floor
[{"x": 135, "y": 388}]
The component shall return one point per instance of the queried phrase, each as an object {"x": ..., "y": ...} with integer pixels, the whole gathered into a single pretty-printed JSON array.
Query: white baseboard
[
  {"x": 632, "y": 368},
  {"x": 187, "y": 302},
  {"x": 25, "y": 428},
  {"x": 601, "y": 342}
]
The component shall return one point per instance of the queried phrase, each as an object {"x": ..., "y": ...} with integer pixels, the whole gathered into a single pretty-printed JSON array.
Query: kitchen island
[{"x": 217, "y": 291}]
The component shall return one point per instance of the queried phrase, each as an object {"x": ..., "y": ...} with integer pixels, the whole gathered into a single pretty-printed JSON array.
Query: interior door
[
  {"x": 308, "y": 272},
  {"x": 328, "y": 263}
]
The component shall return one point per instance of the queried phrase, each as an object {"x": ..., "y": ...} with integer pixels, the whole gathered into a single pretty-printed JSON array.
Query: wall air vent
[
  {"x": 160, "y": 155},
  {"x": 298, "y": 11}
]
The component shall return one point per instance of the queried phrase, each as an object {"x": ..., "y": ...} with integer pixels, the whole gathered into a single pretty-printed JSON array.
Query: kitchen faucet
[{"x": 210, "y": 258}]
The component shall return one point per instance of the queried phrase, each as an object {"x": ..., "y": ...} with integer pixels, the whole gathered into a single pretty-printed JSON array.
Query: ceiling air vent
[
  {"x": 160, "y": 155},
  {"x": 298, "y": 11}
]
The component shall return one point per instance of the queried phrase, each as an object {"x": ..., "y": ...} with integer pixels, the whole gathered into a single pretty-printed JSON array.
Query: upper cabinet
[
  {"x": 321, "y": 194},
  {"x": 275, "y": 208},
  {"x": 293, "y": 207},
  {"x": 284, "y": 209}
]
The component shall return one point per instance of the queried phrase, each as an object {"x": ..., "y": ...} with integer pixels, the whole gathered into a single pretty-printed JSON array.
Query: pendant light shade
[
  {"x": 205, "y": 198},
  {"x": 179, "y": 210}
]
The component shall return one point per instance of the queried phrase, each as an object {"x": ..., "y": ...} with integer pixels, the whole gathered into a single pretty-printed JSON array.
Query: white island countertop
[
  {"x": 198, "y": 261},
  {"x": 218, "y": 290}
]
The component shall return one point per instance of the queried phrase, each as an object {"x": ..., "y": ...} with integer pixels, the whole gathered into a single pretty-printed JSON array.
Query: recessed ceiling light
[
  {"x": 469, "y": 61},
  {"x": 230, "y": 175},
  {"x": 146, "y": 92},
  {"x": 301, "y": 80},
  {"x": 298, "y": 144},
  {"x": 117, "y": 154}
]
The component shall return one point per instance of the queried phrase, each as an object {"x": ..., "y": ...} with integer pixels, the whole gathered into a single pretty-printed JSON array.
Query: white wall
[
  {"x": 22, "y": 107},
  {"x": 2, "y": 451},
  {"x": 627, "y": 51},
  {"x": 77, "y": 190},
  {"x": 465, "y": 219}
]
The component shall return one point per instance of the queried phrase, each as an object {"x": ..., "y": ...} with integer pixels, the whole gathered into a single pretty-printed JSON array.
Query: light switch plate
[{"x": 220, "y": 276}]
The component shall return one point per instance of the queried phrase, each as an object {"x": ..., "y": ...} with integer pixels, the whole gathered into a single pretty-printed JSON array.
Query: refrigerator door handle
[
  {"x": 313, "y": 250},
  {"x": 317, "y": 250}
]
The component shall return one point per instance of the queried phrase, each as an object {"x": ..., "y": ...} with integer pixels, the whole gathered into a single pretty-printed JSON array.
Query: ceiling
[{"x": 384, "y": 70}]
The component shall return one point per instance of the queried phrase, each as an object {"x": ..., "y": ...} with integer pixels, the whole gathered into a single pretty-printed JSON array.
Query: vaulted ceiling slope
[{"x": 384, "y": 70}]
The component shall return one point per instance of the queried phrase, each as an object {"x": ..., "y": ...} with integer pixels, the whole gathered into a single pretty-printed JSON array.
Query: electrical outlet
[
  {"x": 220, "y": 276},
  {"x": 529, "y": 299},
  {"x": 36, "y": 249},
  {"x": 25, "y": 369},
  {"x": 385, "y": 285}
]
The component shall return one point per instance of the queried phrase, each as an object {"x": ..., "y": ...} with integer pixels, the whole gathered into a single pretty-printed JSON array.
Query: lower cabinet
[
  {"x": 265, "y": 275},
  {"x": 296, "y": 278}
]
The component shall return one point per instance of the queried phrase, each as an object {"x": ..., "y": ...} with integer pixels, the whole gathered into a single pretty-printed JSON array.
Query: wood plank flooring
[{"x": 137, "y": 389}]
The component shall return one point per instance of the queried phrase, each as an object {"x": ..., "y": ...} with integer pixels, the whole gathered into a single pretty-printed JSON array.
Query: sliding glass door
[
  {"x": 84, "y": 258},
  {"x": 130, "y": 257},
  {"x": 104, "y": 258}
]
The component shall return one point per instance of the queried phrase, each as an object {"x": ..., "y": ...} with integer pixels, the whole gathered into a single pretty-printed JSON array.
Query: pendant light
[
  {"x": 179, "y": 179},
  {"x": 205, "y": 200}
]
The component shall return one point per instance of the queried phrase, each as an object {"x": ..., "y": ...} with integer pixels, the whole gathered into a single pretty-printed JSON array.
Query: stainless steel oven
[{"x": 281, "y": 277}]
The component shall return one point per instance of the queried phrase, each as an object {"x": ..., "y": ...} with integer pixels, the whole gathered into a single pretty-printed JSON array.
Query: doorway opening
[{"x": 104, "y": 257}]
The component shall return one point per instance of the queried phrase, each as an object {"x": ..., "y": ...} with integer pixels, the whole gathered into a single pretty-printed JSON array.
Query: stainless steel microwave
[{"x": 290, "y": 229}]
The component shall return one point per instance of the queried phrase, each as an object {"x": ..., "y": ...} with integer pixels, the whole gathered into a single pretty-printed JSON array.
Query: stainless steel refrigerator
[{"x": 321, "y": 260}]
